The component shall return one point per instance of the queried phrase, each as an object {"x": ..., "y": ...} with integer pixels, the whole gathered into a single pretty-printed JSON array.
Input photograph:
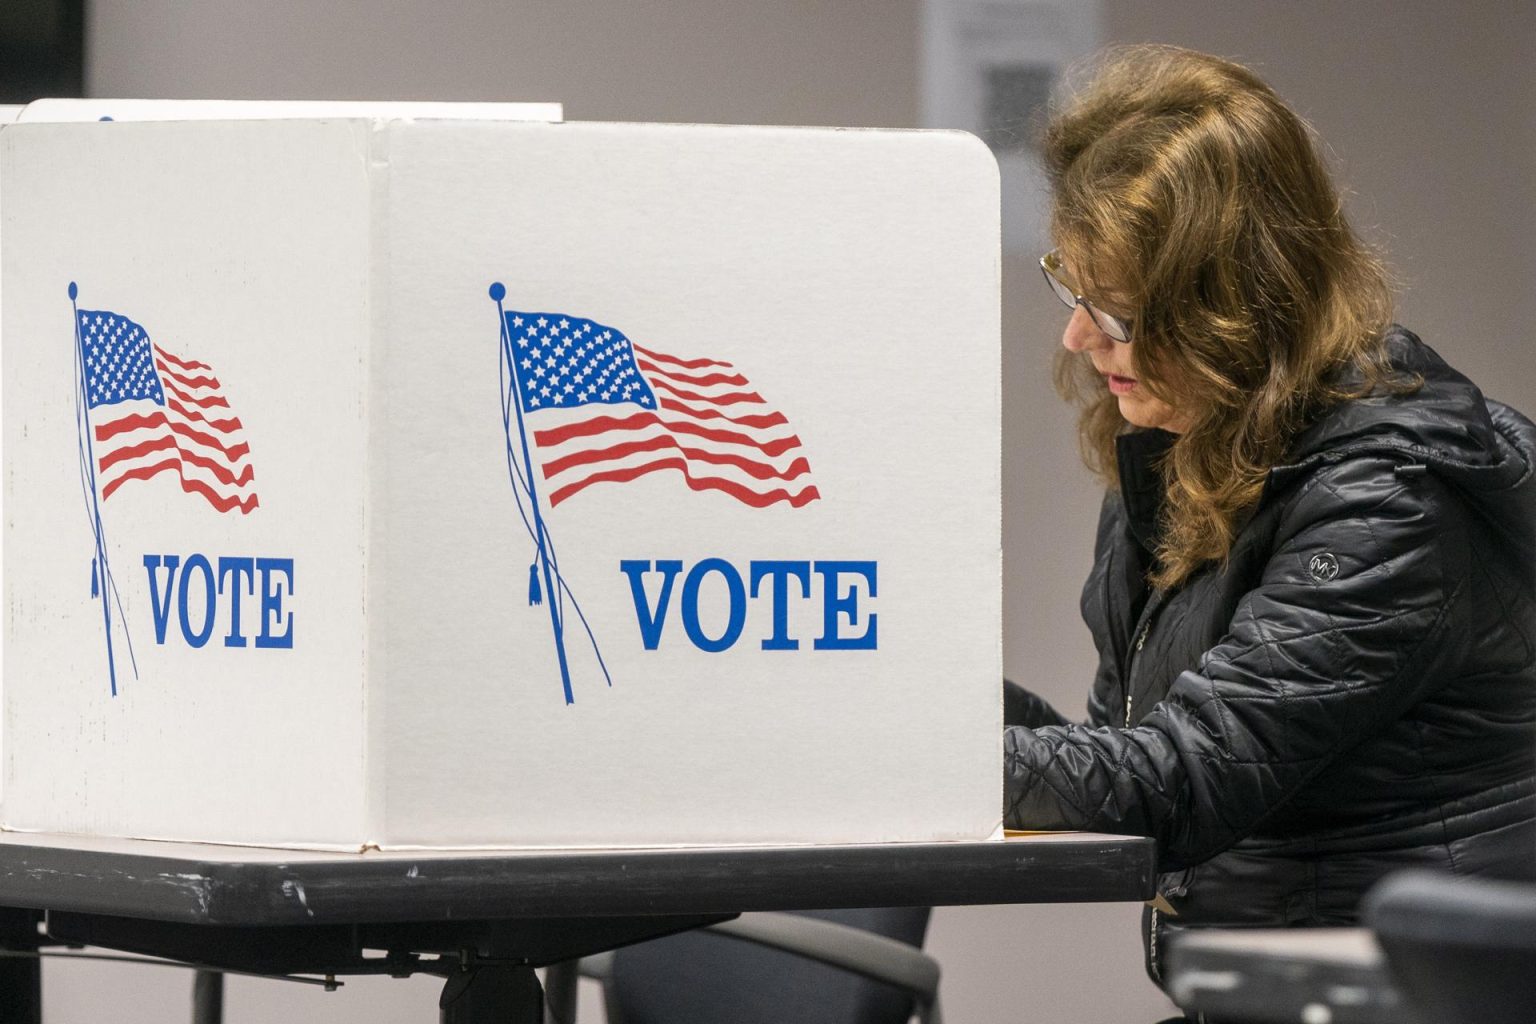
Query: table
[{"x": 484, "y": 919}]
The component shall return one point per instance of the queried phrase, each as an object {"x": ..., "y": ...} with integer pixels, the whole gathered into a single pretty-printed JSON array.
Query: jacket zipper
[
  {"x": 1141, "y": 641},
  {"x": 1148, "y": 614},
  {"x": 1153, "y": 606}
]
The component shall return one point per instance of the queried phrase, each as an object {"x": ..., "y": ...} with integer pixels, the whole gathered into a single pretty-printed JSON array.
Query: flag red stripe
[
  {"x": 135, "y": 421},
  {"x": 775, "y": 447},
  {"x": 618, "y": 451},
  {"x": 185, "y": 364},
  {"x": 602, "y": 424},
  {"x": 738, "y": 491},
  {"x": 688, "y": 378},
  {"x": 752, "y": 467},
  {"x": 141, "y": 473},
  {"x": 138, "y": 421},
  {"x": 225, "y": 426},
  {"x": 224, "y": 475},
  {"x": 761, "y": 470},
  {"x": 233, "y": 452},
  {"x": 595, "y": 425},
  {"x": 134, "y": 451},
  {"x": 191, "y": 382},
  {"x": 222, "y": 502},
  {"x": 734, "y": 398},
  {"x": 208, "y": 402},
  {"x": 772, "y": 419},
  {"x": 687, "y": 364}
]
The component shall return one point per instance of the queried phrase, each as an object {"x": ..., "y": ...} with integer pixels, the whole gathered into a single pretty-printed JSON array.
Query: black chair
[
  {"x": 815, "y": 967},
  {"x": 1437, "y": 948},
  {"x": 1285, "y": 976},
  {"x": 1462, "y": 950},
  {"x": 811, "y": 967}
]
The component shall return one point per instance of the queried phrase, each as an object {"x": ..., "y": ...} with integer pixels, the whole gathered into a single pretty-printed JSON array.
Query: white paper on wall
[
  {"x": 490, "y": 484},
  {"x": 991, "y": 67}
]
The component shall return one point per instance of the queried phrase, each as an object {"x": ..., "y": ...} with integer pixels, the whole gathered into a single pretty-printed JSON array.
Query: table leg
[
  {"x": 21, "y": 978},
  {"x": 21, "y": 983},
  {"x": 208, "y": 997},
  {"x": 492, "y": 994},
  {"x": 560, "y": 992}
]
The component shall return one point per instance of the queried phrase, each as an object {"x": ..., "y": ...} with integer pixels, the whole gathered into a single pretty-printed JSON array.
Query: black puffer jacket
[{"x": 1353, "y": 693}]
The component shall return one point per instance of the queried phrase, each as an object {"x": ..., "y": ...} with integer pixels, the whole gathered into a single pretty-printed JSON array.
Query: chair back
[
  {"x": 1463, "y": 950},
  {"x": 700, "y": 978}
]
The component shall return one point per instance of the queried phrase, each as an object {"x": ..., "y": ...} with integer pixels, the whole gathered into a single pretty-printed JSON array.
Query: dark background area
[{"x": 42, "y": 49}]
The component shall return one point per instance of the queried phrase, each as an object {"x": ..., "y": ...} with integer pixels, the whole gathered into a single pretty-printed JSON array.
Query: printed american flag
[
  {"x": 601, "y": 408},
  {"x": 151, "y": 412}
]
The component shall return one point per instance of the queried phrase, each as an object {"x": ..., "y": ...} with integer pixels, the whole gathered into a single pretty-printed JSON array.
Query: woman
[{"x": 1314, "y": 587}]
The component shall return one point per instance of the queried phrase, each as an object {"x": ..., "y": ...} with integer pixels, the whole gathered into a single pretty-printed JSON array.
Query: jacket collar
[{"x": 1139, "y": 456}]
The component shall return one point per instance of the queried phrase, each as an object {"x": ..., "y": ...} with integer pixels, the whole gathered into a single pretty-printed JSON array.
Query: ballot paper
[{"x": 416, "y": 481}]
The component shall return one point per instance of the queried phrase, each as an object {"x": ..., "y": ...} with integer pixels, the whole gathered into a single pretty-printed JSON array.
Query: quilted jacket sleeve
[{"x": 1308, "y": 668}]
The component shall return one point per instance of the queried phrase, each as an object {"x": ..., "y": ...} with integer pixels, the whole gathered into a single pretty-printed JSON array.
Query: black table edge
[{"x": 434, "y": 886}]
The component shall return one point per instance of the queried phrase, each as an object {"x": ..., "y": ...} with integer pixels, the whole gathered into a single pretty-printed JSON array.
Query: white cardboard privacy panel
[
  {"x": 452, "y": 483},
  {"x": 103, "y": 109},
  {"x": 8, "y": 114}
]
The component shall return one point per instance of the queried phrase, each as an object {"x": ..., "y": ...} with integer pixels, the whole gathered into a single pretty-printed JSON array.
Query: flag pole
[
  {"x": 499, "y": 292},
  {"x": 100, "y": 575}
]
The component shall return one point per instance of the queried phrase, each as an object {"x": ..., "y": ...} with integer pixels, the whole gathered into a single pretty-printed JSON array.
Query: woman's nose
[{"x": 1082, "y": 334}]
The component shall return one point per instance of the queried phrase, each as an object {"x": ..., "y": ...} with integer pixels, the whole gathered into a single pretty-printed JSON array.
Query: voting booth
[{"x": 447, "y": 482}]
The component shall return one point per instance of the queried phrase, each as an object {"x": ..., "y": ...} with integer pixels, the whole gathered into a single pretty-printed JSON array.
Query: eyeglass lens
[{"x": 1110, "y": 325}]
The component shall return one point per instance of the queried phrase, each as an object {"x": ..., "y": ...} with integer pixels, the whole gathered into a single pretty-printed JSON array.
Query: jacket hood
[{"x": 1446, "y": 425}]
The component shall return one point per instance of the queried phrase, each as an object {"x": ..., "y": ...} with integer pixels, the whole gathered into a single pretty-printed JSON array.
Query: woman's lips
[{"x": 1120, "y": 385}]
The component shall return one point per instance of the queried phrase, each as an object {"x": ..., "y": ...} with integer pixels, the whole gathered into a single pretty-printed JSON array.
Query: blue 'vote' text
[
  {"x": 199, "y": 589},
  {"x": 840, "y": 618}
]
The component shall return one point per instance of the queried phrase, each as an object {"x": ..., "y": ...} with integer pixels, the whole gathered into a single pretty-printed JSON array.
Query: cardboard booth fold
[{"x": 485, "y": 484}]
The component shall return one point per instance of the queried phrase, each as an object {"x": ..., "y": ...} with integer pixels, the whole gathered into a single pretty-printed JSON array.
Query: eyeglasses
[{"x": 1050, "y": 265}]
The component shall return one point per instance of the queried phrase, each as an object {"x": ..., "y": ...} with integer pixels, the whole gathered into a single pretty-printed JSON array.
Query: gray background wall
[{"x": 1426, "y": 108}]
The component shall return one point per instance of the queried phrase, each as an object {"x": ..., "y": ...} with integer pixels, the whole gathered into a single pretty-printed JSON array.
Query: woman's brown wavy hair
[{"x": 1190, "y": 200}]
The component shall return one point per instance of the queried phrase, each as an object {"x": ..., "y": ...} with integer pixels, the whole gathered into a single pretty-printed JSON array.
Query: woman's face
[{"x": 1113, "y": 360}]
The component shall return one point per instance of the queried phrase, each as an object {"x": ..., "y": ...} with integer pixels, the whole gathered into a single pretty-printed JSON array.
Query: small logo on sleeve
[{"x": 1323, "y": 567}]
